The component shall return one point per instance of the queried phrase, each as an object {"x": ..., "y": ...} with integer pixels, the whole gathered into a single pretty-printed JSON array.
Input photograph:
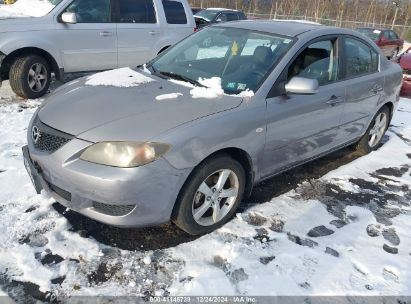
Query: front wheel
[
  {"x": 210, "y": 196},
  {"x": 375, "y": 133},
  {"x": 30, "y": 76}
]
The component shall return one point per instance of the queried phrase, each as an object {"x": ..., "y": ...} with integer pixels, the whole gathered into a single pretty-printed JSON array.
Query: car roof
[
  {"x": 286, "y": 28},
  {"x": 373, "y": 28},
  {"x": 221, "y": 9}
]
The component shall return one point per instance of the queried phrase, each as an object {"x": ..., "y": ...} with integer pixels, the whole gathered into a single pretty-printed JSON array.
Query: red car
[
  {"x": 388, "y": 41},
  {"x": 405, "y": 62}
]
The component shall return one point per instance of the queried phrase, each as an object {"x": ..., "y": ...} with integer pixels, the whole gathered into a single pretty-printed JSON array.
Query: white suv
[{"x": 87, "y": 35}]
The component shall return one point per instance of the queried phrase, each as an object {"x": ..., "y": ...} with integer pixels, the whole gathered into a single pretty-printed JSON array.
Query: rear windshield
[
  {"x": 373, "y": 34},
  {"x": 207, "y": 14}
]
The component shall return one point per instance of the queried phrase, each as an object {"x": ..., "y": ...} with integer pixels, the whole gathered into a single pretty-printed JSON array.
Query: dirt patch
[{"x": 397, "y": 172}]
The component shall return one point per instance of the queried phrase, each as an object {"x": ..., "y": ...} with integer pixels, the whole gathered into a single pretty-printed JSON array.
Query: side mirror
[
  {"x": 300, "y": 85},
  {"x": 69, "y": 18},
  {"x": 218, "y": 20}
]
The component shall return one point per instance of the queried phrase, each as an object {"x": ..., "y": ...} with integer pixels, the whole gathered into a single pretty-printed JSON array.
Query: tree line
[{"x": 345, "y": 13}]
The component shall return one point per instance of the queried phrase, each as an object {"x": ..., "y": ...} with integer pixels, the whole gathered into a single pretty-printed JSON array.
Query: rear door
[
  {"x": 91, "y": 43},
  {"x": 138, "y": 30},
  {"x": 364, "y": 85},
  {"x": 300, "y": 127},
  {"x": 179, "y": 19}
]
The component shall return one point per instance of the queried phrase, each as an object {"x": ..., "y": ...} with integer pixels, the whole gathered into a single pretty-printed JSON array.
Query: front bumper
[{"x": 123, "y": 197}]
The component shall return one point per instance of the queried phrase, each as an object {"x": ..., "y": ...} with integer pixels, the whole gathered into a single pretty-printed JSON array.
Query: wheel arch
[
  {"x": 237, "y": 154},
  {"x": 25, "y": 51},
  {"x": 163, "y": 49}
]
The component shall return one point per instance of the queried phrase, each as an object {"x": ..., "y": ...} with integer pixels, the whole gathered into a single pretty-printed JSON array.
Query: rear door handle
[
  {"x": 154, "y": 32},
  {"x": 106, "y": 34},
  {"x": 335, "y": 100}
]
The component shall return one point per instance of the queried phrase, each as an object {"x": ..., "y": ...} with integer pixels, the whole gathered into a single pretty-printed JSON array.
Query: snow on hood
[
  {"x": 212, "y": 88},
  {"x": 122, "y": 78},
  {"x": 168, "y": 96},
  {"x": 26, "y": 8},
  {"x": 97, "y": 112}
]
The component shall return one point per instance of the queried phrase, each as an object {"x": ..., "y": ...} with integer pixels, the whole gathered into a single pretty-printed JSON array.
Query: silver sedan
[{"x": 186, "y": 137}]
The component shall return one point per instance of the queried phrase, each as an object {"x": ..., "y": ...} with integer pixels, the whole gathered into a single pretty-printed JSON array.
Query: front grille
[
  {"x": 406, "y": 72},
  {"x": 50, "y": 143},
  {"x": 47, "y": 139},
  {"x": 113, "y": 210},
  {"x": 62, "y": 193}
]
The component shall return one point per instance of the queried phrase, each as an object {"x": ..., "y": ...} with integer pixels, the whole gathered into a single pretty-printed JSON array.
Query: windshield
[
  {"x": 28, "y": 8},
  {"x": 240, "y": 58},
  {"x": 370, "y": 33},
  {"x": 207, "y": 14}
]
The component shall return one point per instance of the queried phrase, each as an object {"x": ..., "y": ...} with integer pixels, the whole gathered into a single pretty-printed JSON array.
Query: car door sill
[{"x": 295, "y": 165}]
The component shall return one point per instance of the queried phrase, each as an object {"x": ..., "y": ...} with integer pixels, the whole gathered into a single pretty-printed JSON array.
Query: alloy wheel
[
  {"x": 378, "y": 129},
  {"x": 215, "y": 197},
  {"x": 37, "y": 77}
]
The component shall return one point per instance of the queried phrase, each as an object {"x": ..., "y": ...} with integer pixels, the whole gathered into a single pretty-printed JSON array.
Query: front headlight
[{"x": 124, "y": 154}]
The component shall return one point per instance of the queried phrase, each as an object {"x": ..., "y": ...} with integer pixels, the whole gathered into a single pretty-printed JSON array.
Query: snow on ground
[
  {"x": 26, "y": 8},
  {"x": 345, "y": 233},
  {"x": 122, "y": 78}
]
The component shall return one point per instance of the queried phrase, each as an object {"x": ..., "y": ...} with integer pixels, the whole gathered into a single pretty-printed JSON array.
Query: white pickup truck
[{"x": 86, "y": 35}]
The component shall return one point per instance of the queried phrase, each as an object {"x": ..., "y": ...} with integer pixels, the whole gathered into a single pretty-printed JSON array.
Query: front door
[
  {"x": 300, "y": 127},
  {"x": 91, "y": 43}
]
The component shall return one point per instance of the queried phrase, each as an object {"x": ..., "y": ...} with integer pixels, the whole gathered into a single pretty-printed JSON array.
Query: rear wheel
[
  {"x": 375, "y": 133},
  {"x": 30, "y": 76},
  {"x": 211, "y": 195}
]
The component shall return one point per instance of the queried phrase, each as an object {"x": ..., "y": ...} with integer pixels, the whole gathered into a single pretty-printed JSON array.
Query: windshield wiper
[{"x": 181, "y": 77}]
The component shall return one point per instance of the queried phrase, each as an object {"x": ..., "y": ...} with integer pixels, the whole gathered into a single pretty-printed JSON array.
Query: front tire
[
  {"x": 210, "y": 196},
  {"x": 30, "y": 76},
  {"x": 375, "y": 133}
]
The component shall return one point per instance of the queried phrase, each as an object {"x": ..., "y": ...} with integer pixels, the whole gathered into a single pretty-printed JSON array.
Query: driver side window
[
  {"x": 318, "y": 61},
  {"x": 90, "y": 11}
]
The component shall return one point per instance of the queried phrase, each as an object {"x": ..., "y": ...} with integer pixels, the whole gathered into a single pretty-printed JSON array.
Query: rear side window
[
  {"x": 136, "y": 11},
  {"x": 232, "y": 16},
  {"x": 360, "y": 59},
  {"x": 175, "y": 13}
]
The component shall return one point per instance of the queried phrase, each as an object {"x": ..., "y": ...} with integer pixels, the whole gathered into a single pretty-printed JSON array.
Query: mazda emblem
[{"x": 35, "y": 134}]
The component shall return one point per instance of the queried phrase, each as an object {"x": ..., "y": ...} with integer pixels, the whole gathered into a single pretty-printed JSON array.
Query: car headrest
[
  {"x": 263, "y": 55},
  {"x": 312, "y": 55}
]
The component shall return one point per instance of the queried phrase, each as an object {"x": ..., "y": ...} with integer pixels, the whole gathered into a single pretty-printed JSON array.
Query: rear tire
[
  {"x": 375, "y": 132},
  {"x": 30, "y": 76},
  {"x": 198, "y": 213}
]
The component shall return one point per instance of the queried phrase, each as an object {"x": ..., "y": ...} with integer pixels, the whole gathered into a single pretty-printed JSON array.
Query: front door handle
[
  {"x": 106, "y": 34},
  {"x": 154, "y": 32},
  {"x": 335, "y": 100}
]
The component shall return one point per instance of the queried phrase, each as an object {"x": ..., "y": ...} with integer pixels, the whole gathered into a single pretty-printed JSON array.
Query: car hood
[
  {"x": 108, "y": 113},
  {"x": 23, "y": 24}
]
